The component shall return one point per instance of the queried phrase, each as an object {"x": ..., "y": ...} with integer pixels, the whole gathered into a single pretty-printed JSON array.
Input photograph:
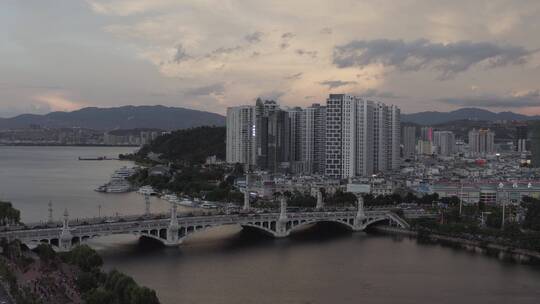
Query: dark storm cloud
[
  {"x": 254, "y": 37},
  {"x": 448, "y": 59},
  {"x": 530, "y": 99},
  {"x": 213, "y": 89},
  {"x": 302, "y": 52},
  {"x": 332, "y": 84},
  {"x": 180, "y": 54}
]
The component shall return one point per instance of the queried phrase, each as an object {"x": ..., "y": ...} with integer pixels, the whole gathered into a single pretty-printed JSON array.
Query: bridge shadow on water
[{"x": 231, "y": 240}]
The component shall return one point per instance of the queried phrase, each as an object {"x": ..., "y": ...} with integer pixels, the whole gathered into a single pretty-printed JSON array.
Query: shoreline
[
  {"x": 62, "y": 145},
  {"x": 505, "y": 253}
]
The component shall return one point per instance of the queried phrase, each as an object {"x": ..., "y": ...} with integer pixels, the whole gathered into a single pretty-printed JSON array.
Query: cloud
[
  {"x": 254, "y": 37},
  {"x": 58, "y": 101},
  {"x": 449, "y": 59},
  {"x": 294, "y": 76},
  {"x": 326, "y": 30},
  {"x": 379, "y": 94},
  {"x": 224, "y": 51},
  {"x": 286, "y": 37},
  {"x": 515, "y": 100},
  {"x": 180, "y": 54},
  {"x": 302, "y": 52},
  {"x": 213, "y": 89},
  {"x": 332, "y": 84},
  {"x": 272, "y": 95}
]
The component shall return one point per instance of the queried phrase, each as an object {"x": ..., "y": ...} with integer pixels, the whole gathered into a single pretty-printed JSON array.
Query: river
[{"x": 226, "y": 265}]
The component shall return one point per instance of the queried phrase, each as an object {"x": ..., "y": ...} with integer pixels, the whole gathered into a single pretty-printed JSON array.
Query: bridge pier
[
  {"x": 172, "y": 229},
  {"x": 320, "y": 202},
  {"x": 281, "y": 224},
  {"x": 360, "y": 218},
  {"x": 65, "y": 239}
]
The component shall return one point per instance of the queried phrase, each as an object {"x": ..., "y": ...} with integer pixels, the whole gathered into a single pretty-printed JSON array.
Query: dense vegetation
[
  {"x": 94, "y": 286},
  {"x": 98, "y": 287},
  {"x": 8, "y": 214},
  {"x": 468, "y": 225},
  {"x": 188, "y": 146},
  {"x": 214, "y": 183}
]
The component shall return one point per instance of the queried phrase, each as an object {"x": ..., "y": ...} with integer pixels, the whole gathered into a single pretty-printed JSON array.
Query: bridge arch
[
  {"x": 295, "y": 224},
  {"x": 388, "y": 217}
]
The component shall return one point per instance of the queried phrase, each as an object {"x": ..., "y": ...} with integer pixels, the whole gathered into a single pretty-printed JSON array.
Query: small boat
[
  {"x": 118, "y": 182},
  {"x": 93, "y": 158},
  {"x": 186, "y": 202},
  {"x": 170, "y": 197},
  {"x": 147, "y": 190},
  {"x": 208, "y": 205}
]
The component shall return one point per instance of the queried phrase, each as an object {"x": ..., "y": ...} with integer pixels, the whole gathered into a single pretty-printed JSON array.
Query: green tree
[
  {"x": 85, "y": 257},
  {"x": 101, "y": 296},
  {"x": 45, "y": 252},
  {"x": 532, "y": 216}
]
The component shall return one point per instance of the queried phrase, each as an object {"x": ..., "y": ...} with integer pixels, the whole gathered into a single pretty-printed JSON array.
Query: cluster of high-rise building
[
  {"x": 129, "y": 137},
  {"x": 350, "y": 136},
  {"x": 430, "y": 142},
  {"x": 481, "y": 142}
]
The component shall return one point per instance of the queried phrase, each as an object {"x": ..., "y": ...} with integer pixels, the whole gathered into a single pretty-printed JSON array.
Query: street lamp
[
  {"x": 501, "y": 187},
  {"x": 460, "y": 197},
  {"x": 483, "y": 220}
]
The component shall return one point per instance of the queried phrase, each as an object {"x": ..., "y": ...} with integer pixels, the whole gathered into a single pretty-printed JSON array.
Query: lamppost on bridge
[
  {"x": 50, "y": 219},
  {"x": 246, "y": 194},
  {"x": 501, "y": 190}
]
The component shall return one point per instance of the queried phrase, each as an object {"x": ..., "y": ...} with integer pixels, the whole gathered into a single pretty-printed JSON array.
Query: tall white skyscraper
[
  {"x": 240, "y": 145},
  {"x": 334, "y": 136},
  {"x": 445, "y": 142},
  {"x": 362, "y": 137},
  {"x": 395, "y": 137}
]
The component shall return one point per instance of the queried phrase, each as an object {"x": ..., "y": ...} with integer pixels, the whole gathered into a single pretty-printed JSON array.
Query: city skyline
[{"x": 212, "y": 55}]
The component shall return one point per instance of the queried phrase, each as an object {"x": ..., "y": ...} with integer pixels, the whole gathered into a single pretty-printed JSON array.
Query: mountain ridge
[
  {"x": 174, "y": 118},
  {"x": 124, "y": 117},
  {"x": 436, "y": 117}
]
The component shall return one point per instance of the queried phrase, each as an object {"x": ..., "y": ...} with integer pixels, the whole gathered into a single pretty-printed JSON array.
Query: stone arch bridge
[{"x": 173, "y": 230}]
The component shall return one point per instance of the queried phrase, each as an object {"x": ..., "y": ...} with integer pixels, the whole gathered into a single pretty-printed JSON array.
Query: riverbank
[
  {"x": 44, "y": 276},
  {"x": 502, "y": 252}
]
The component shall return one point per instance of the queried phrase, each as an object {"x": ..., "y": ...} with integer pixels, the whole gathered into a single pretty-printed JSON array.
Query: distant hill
[
  {"x": 434, "y": 117},
  {"x": 126, "y": 117},
  {"x": 192, "y": 145}
]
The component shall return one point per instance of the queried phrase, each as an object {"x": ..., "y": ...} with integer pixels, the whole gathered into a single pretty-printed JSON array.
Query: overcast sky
[{"x": 204, "y": 54}]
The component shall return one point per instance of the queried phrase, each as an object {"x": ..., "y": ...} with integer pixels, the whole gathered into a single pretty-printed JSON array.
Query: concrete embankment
[{"x": 502, "y": 252}]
